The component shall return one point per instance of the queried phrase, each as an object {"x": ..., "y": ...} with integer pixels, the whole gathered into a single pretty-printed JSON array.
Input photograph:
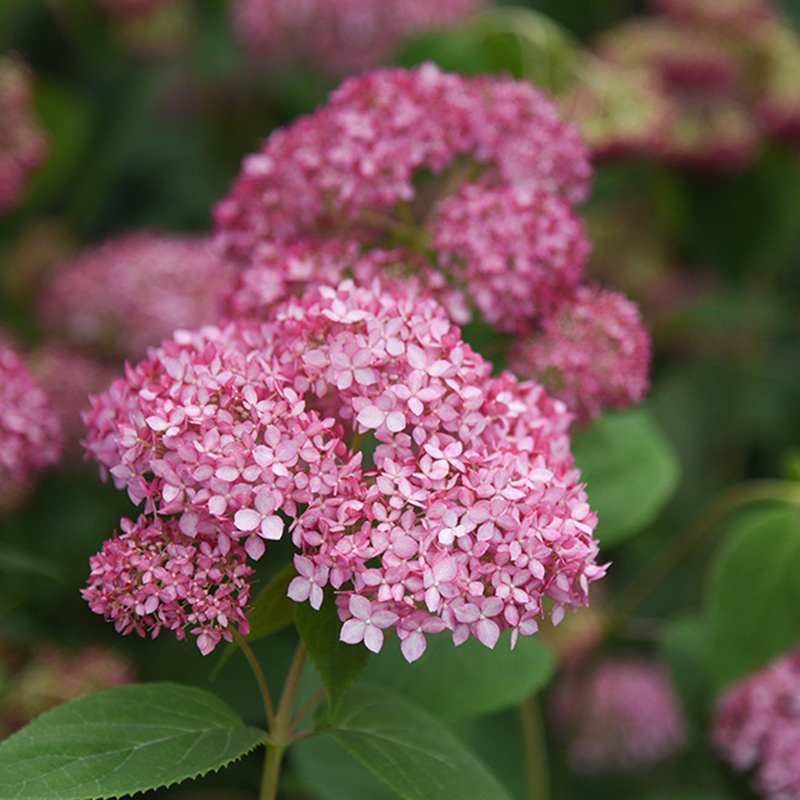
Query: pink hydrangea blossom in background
[
  {"x": 619, "y": 714},
  {"x": 154, "y": 576},
  {"x": 593, "y": 351},
  {"x": 68, "y": 377},
  {"x": 338, "y": 37},
  {"x": 516, "y": 251},
  {"x": 30, "y": 435},
  {"x": 51, "y": 675},
  {"x": 119, "y": 297},
  {"x": 418, "y": 157},
  {"x": 469, "y": 517},
  {"x": 756, "y": 728},
  {"x": 22, "y": 142}
]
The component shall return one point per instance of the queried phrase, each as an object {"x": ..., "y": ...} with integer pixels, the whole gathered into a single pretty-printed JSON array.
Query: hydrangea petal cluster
[
  {"x": 513, "y": 279},
  {"x": 154, "y": 576},
  {"x": 390, "y": 150},
  {"x": 592, "y": 351},
  {"x": 618, "y": 715},
  {"x": 22, "y": 142},
  {"x": 338, "y": 37},
  {"x": 279, "y": 271},
  {"x": 206, "y": 430},
  {"x": 757, "y": 728},
  {"x": 132, "y": 291},
  {"x": 30, "y": 434},
  {"x": 470, "y": 516}
]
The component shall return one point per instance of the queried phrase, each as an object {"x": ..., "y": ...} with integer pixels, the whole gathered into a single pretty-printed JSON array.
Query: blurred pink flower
[
  {"x": 30, "y": 434},
  {"x": 119, "y": 297},
  {"x": 756, "y": 728},
  {"x": 618, "y": 715},
  {"x": 22, "y": 142},
  {"x": 338, "y": 37}
]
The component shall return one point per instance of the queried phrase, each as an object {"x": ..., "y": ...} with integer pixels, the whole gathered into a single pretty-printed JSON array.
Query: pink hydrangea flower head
[
  {"x": 22, "y": 142},
  {"x": 345, "y": 169},
  {"x": 592, "y": 352},
  {"x": 337, "y": 37},
  {"x": 130, "y": 292},
  {"x": 470, "y": 517},
  {"x": 154, "y": 576},
  {"x": 516, "y": 251},
  {"x": 30, "y": 434},
  {"x": 756, "y": 728},
  {"x": 618, "y": 715}
]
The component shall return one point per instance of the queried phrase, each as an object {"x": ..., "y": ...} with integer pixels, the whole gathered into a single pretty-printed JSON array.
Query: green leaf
[
  {"x": 273, "y": 610},
  {"x": 630, "y": 471},
  {"x": 120, "y": 741},
  {"x": 453, "y": 682},
  {"x": 338, "y": 664},
  {"x": 409, "y": 750},
  {"x": 328, "y": 772},
  {"x": 754, "y": 599}
]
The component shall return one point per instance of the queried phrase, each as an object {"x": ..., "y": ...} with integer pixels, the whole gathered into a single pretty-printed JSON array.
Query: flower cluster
[
  {"x": 591, "y": 352},
  {"x": 22, "y": 143},
  {"x": 50, "y": 676},
  {"x": 470, "y": 516},
  {"x": 618, "y": 715},
  {"x": 154, "y": 576},
  {"x": 338, "y": 37},
  {"x": 757, "y": 728},
  {"x": 119, "y": 297},
  {"x": 30, "y": 435},
  {"x": 721, "y": 78},
  {"x": 464, "y": 186}
]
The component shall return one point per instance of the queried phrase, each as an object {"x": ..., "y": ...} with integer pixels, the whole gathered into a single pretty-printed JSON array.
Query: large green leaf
[
  {"x": 754, "y": 601},
  {"x": 120, "y": 741},
  {"x": 338, "y": 664},
  {"x": 630, "y": 471},
  {"x": 453, "y": 682},
  {"x": 328, "y": 772},
  {"x": 409, "y": 750},
  {"x": 272, "y": 609}
]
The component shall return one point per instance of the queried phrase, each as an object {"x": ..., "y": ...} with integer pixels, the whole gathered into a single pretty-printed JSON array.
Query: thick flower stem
[
  {"x": 731, "y": 499},
  {"x": 280, "y": 734},
  {"x": 535, "y": 755}
]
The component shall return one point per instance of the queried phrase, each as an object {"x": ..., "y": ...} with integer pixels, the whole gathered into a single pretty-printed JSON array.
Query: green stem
[
  {"x": 260, "y": 679},
  {"x": 312, "y": 701},
  {"x": 736, "y": 496},
  {"x": 535, "y": 751},
  {"x": 281, "y": 732}
]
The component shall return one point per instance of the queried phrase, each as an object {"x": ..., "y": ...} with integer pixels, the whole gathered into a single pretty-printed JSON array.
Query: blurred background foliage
[{"x": 147, "y": 126}]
